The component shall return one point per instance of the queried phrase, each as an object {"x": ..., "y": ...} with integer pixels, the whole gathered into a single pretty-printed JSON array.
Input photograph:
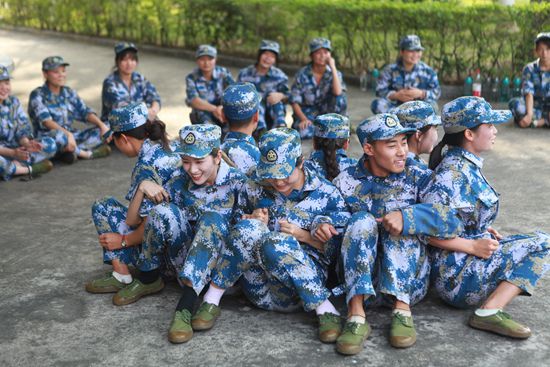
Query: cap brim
[
  {"x": 498, "y": 117},
  {"x": 405, "y": 130},
  {"x": 266, "y": 171},
  {"x": 127, "y": 48},
  {"x": 193, "y": 153},
  {"x": 209, "y": 55},
  {"x": 413, "y": 49},
  {"x": 433, "y": 121},
  {"x": 269, "y": 49},
  {"x": 537, "y": 40}
]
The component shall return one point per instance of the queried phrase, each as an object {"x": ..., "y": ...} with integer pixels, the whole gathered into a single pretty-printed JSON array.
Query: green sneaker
[
  {"x": 102, "y": 151},
  {"x": 352, "y": 338},
  {"x": 106, "y": 284},
  {"x": 180, "y": 329},
  {"x": 40, "y": 167},
  {"x": 330, "y": 327},
  {"x": 402, "y": 332},
  {"x": 205, "y": 317},
  {"x": 135, "y": 290},
  {"x": 500, "y": 323}
]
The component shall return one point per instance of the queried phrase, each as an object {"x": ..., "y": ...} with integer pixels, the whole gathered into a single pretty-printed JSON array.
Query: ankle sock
[
  {"x": 325, "y": 307},
  {"x": 148, "y": 277},
  {"x": 187, "y": 299},
  {"x": 357, "y": 318},
  {"x": 407, "y": 313},
  {"x": 123, "y": 278},
  {"x": 484, "y": 312},
  {"x": 213, "y": 295}
]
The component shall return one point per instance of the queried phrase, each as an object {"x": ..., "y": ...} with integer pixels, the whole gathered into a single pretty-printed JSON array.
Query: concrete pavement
[{"x": 49, "y": 249}]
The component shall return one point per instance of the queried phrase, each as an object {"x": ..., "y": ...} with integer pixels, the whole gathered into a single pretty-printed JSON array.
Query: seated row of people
[{"x": 388, "y": 220}]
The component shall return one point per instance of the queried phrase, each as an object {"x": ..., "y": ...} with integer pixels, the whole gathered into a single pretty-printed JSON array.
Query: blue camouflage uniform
[
  {"x": 116, "y": 93},
  {"x": 394, "y": 77},
  {"x": 209, "y": 90},
  {"x": 64, "y": 108},
  {"x": 275, "y": 80},
  {"x": 154, "y": 163},
  {"x": 279, "y": 272},
  {"x": 193, "y": 227},
  {"x": 417, "y": 115},
  {"x": 464, "y": 280},
  {"x": 14, "y": 126},
  {"x": 330, "y": 126},
  {"x": 373, "y": 260},
  {"x": 316, "y": 99},
  {"x": 240, "y": 102},
  {"x": 537, "y": 83}
]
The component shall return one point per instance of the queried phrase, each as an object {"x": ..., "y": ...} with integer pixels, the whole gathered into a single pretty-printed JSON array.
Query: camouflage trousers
[
  {"x": 464, "y": 280},
  {"x": 332, "y": 104},
  {"x": 380, "y": 265},
  {"x": 192, "y": 247},
  {"x": 86, "y": 139},
  {"x": 277, "y": 273},
  {"x": 271, "y": 116},
  {"x": 8, "y": 167},
  {"x": 109, "y": 216},
  {"x": 519, "y": 110},
  {"x": 384, "y": 105}
]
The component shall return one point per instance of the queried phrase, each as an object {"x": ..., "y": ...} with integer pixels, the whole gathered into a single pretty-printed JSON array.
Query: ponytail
[
  {"x": 329, "y": 147},
  {"x": 156, "y": 131}
]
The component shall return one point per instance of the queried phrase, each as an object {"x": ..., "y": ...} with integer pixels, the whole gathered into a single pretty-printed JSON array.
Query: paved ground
[{"x": 48, "y": 249}]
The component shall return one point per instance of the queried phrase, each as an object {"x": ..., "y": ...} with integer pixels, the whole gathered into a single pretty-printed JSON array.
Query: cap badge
[
  {"x": 189, "y": 139},
  {"x": 271, "y": 156},
  {"x": 390, "y": 121}
]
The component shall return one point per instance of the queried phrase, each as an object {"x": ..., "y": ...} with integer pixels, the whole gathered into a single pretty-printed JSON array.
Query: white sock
[
  {"x": 325, "y": 307},
  {"x": 213, "y": 295},
  {"x": 357, "y": 319},
  {"x": 484, "y": 312},
  {"x": 402, "y": 312},
  {"x": 123, "y": 278}
]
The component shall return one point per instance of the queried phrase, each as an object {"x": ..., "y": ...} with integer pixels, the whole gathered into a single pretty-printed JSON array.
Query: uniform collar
[
  {"x": 402, "y": 67},
  {"x": 48, "y": 92},
  {"x": 215, "y": 73},
  {"x": 458, "y": 151},
  {"x": 235, "y": 135}
]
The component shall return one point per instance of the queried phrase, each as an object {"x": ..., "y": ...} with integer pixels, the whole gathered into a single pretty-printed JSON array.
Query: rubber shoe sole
[
  {"x": 122, "y": 301},
  {"x": 476, "y": 323},
  {"x": 352, "y": 349}
]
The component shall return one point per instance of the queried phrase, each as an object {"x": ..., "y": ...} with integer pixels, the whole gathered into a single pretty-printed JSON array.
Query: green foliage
[{"x": 494, "y": 38}]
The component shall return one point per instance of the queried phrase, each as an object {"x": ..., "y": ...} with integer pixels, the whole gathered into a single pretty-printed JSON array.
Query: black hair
[
  {"x": 240, "y": 123},
  {"x": 329, "y": 146},
  {"x": 454, "y": 140},
  {"x": 122, "y": 55},
  {"x": 260, "y": 52},
  {"x": 154, "y": 130},
  {"x": 545, "y": 41}
]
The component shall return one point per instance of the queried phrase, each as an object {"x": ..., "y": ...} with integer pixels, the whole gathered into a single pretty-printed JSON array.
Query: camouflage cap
[
  {"x": 198, "y": 141},
  {"x": 267, "y": 45},
  {"x": 468, "y": 112},
  {"x": 318, "y": 43},
  {"x": 123, "y": 46},
  {"x": 542, "y": 36},
  {"x": 332, "y": 126},
  {"x": 128, "y": 117},
  {"x": 206, "y": 50},
  {"x": 4, "y": 73},
  {"x": 410, "y": 42},
  {"x": 383, "y": 126},
  {"x": 240, "y": 101},
  {"x": 416, "y": 114},
  {"x": 280, "y": 149},
  {"x": 53, "y": 62}
]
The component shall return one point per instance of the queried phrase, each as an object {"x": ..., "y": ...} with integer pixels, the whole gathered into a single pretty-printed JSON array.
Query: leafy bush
[{"x": 494, "y": 38}]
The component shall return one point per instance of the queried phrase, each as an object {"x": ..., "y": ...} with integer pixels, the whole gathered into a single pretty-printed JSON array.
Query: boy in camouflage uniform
[
  {"x": 241, "y": 103},
  {"x": 205, "y": 86},
  {"x": 408, "y": 79}
]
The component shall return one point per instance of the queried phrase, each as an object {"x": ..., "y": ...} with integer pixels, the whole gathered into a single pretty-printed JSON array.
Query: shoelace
[
  {"x": 352, "y": 327},
  {"x": 329, "y": 317},
  {"x": 185, "y": 316},
  {"x": 208, "y": 307},
  {"x": 402, "y": 319}
]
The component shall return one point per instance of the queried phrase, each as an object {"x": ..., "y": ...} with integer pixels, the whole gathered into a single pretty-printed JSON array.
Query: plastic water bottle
[
  {"x": 505, "y": 90},
  {"x": 516, "y": 89},
  {"x": 476, "y": 85},
  {"x": 468, "y": 85},
  {"x": 375, "y": 74},
  {"x": 495, "y": 87},
  {"x": 363, "y": 80}
]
